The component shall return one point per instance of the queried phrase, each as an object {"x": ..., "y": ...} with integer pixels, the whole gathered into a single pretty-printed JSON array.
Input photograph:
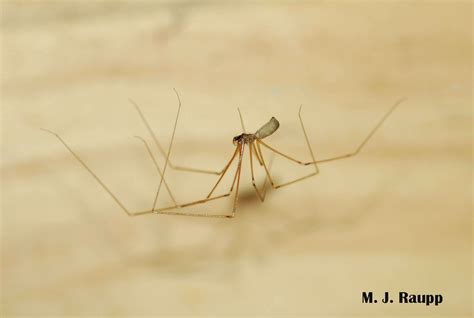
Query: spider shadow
[{"x": 255, "y": 245}]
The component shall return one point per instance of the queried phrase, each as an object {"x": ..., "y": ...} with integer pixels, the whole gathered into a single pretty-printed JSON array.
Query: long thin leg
[
  {"x": 157, "y": 167},
  {"x": 243, "y": 129},
  {"x": 241, "y": 120},
  {"x": 257, "y": 155},
  {"x": 169, "y": 151},
  {"x": 115, "y": 198},
  {"x": 260, "y": 195},
  {"x": 351, "y": 154},
  {"x": 236, "y": 179},
  {"x": 372, "y": 132},
  {"x": 234, "y": 208},
  {"x": 316, "y": 169},
  {"x": 276, "y": 186},
  {"x": 162, "y": 151},
  {"x": 264, "y": 185},
  {"x": 233, "y": 182},
  {"x": 263, "y": 190},
  {"x": 236, "y": 197},
  {"x": 91, "y": 172},
  {"x": 224, "y": 172}
]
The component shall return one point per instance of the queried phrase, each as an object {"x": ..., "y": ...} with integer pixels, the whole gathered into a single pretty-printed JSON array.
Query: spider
[{"x": 253, "y": 141}]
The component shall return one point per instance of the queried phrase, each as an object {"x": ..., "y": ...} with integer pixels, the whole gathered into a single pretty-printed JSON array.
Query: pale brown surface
[{"x": 395, "y": 218}]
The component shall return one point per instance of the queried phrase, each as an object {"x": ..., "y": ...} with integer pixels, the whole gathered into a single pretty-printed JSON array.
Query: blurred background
[{"x": 395, "y": 218}]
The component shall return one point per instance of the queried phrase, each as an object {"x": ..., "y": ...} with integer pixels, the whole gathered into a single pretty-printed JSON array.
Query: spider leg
[
  {"x": 224, "y": 171},
  {"x": 79, "y": 159},
  {"x": 157, "y": 167},
  {"x": 235, "y": 185},
  {"x": 261, "y": 195},
  {"x": 160, "y": 147},
  {"x": 259, "y": 142}
]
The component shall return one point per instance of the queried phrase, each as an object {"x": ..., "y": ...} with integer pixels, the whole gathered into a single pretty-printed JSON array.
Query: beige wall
[{"x": 395, "y": 218}]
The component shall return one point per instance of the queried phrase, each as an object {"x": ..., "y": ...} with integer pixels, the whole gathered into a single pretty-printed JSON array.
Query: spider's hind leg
[{"x": 259, "y": 142}]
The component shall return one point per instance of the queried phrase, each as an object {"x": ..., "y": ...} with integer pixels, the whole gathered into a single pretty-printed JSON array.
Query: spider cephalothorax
[
  {"x": 244, "y": 139},
  {"x": 266, "y": 130}
]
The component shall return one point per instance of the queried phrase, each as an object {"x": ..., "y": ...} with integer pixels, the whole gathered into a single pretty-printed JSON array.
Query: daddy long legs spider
[{"x": 253, "y": 141}]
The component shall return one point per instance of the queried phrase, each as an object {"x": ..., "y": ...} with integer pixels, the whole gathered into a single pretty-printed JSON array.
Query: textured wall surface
[{"x": 395, "y": 218}]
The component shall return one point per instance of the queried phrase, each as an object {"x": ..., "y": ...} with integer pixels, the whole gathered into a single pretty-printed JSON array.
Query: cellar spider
[{"x": 254, "y": 142}]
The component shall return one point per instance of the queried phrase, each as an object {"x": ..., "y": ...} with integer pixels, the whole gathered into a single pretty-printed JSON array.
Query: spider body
[{"x": 266, "y": 130}]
